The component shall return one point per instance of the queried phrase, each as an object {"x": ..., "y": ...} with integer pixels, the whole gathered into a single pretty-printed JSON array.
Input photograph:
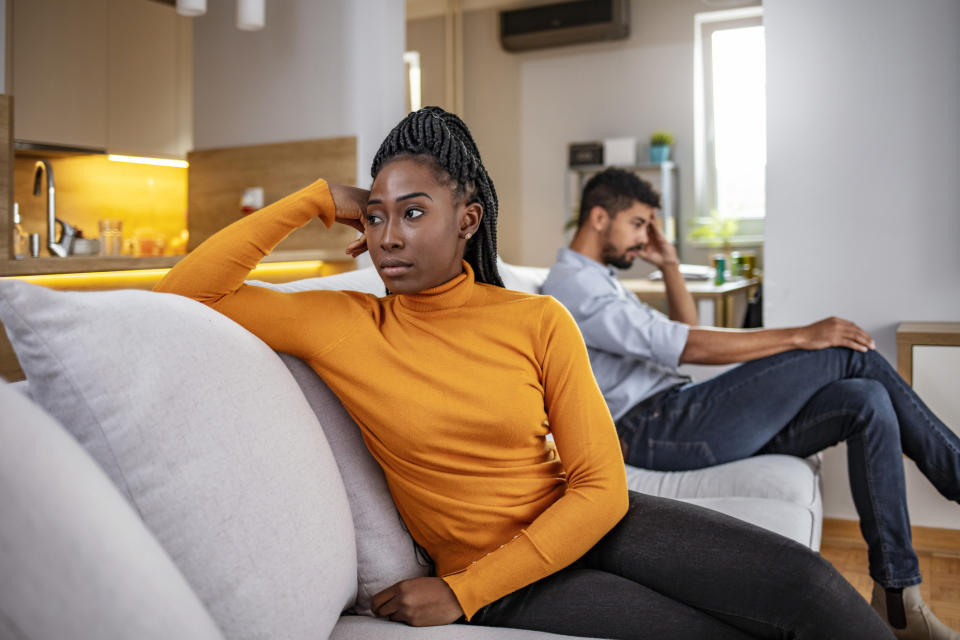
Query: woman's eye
[
  {"x": 372, "y": 219},
  {"x": 414, "y": 213}
]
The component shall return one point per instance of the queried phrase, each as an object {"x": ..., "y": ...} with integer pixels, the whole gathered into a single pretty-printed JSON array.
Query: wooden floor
[{"x": 937, "y": 549}]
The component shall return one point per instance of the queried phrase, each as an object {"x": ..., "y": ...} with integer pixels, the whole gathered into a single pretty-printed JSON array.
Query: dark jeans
[
  {"x": 675, "y": 570},
  {"x": 799, "y": 403}
]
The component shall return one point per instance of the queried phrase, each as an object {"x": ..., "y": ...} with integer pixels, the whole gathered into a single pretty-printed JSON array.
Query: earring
[{"x": 467, "y": 235}]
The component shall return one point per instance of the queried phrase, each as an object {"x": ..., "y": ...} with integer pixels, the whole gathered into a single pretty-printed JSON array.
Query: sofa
[{"x": 165, "y": 474}]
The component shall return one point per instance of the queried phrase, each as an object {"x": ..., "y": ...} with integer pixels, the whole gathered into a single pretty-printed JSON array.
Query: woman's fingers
[
  {"x": 383, "y": 604},
  {"x": 357, "y": 247}
]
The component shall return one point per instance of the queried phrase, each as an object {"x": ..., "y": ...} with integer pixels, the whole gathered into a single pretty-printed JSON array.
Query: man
[{"x": 799, "y": 390}]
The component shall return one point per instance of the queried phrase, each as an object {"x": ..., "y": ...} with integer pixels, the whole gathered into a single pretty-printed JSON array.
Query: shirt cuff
[
  {"x": 668, "y": 345},
  {"x": 324, "y": 199}
]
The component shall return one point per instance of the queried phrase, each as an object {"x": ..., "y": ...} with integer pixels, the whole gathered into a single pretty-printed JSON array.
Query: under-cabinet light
[{"x": 162, "y": 162}]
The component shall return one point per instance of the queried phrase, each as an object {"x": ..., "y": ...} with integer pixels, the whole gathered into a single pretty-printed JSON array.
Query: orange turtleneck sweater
[{"x": 452, "y": 389}]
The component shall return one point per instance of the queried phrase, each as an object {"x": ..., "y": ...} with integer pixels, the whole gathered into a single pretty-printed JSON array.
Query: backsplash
[{"x": 150, "y": 200}]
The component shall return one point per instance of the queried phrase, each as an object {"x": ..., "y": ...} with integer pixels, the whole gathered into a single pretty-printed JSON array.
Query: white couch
[{"x": 164, "y": 474}]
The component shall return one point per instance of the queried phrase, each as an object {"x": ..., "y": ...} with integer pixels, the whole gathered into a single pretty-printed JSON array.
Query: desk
[{"x": 727, "y": 301}]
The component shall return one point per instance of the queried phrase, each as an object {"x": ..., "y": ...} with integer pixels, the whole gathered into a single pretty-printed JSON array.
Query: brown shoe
[{"x": 908, "y": 616}]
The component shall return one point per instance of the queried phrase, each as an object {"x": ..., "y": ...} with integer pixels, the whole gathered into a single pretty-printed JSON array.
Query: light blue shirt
[{"x": 634, "y": 350}]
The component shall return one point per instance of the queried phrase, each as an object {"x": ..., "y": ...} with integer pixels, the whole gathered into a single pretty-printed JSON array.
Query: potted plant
[
  {"x": 715, "y": 232},
  {"x": 660, "y": 143}
]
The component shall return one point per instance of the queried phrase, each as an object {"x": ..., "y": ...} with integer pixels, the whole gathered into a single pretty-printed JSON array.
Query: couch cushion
[
  {"x": 385, "y": 551},
  {"x": 361, "y": 628},
  {"x": 207, "y": 434},
  {"x": 364, "y": 280},
  {"x": 770, "y": 476},
  {"x": 522, "y": 278},
  {"x": 516, "y": 277},
  {"x": 76, "y": 560}
]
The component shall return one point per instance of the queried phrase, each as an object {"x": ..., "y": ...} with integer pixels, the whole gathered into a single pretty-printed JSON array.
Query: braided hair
[{"x": 442, "y": 139}]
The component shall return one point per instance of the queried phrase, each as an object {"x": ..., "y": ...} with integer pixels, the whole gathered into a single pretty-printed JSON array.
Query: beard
[{"x": 618, "y": 260}]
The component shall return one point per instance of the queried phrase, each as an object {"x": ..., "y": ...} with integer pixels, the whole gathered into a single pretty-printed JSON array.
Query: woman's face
[{"x": 415, "y": 227}]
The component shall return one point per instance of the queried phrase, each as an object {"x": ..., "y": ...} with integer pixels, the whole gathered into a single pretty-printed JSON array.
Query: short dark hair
[{"x": 615, "y": 190}]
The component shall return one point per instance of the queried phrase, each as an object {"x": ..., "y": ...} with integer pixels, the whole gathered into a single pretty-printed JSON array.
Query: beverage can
[
  {"x": 720, "y": 268},
  {"x": 736, "y": 264},
  {"x": 749, "y": 264}
]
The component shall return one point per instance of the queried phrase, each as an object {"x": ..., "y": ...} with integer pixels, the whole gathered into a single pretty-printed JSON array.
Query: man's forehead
[{"x": 640, "y": 210}]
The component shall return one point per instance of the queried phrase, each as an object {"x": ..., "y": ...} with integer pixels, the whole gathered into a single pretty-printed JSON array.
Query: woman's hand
[
  {"x": 351, "y": 204},
  {"x": 420, "y": 602},
  {"x": 834, "y": 332}
]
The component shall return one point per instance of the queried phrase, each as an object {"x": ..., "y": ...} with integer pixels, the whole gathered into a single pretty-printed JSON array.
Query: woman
[{"x": 454, "y": 380}]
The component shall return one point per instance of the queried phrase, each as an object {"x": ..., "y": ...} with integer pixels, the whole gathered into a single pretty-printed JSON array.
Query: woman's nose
[{"x": 392, "y": 237}]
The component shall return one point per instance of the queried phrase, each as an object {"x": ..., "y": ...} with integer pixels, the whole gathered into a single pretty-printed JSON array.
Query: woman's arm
[
  {"x": 595, "y": 498},
  {"x": 214, "y": 272}
]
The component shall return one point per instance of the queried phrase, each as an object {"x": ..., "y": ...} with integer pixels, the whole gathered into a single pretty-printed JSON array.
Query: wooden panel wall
[
  {"x": 216, "y": 179},
  {"x": 6, "y": 177}
]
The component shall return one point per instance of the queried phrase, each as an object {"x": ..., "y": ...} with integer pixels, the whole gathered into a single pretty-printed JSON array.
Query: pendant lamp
[
  {"x": 251, "y": 14},
  {"x": 191, "y": 7}
]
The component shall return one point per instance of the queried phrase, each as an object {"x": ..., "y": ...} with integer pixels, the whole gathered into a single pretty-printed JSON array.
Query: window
[
  {"x": 730, "y": 127},
  {"x": 411, "y": 60}
]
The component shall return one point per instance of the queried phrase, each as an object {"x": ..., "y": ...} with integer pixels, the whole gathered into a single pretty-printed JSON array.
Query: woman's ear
[{"x": 470, "y": 218}]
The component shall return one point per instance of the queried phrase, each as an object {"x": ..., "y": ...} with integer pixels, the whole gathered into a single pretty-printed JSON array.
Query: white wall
[
  {"x": 863, "y": 179},
  {"x": 524, "y": 109},
  {"x": 318, "y": 69}
]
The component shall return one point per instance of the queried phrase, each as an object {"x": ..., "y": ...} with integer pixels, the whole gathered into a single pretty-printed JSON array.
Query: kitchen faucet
[{"x": 62, "y": 248}]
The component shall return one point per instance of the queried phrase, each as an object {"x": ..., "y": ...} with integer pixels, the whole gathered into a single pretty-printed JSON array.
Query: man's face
[{"x": 626, "y": 235}]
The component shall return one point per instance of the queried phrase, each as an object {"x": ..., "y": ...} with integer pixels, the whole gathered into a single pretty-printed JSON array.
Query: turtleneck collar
[{"x": 452, "y": 294}]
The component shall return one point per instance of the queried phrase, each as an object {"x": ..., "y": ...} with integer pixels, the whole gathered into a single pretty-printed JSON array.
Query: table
[
  {"x": 925, "y": 334},
  {"x": 720, "y": 305}
]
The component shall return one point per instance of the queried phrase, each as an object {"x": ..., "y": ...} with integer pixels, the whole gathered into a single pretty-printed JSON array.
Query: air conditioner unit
[{"x": 564, "y": 23}]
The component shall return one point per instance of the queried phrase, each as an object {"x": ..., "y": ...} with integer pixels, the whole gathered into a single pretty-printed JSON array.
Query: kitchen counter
[
  {"x": 87, "y": 264},
  {"x": 99, "y": 274}
]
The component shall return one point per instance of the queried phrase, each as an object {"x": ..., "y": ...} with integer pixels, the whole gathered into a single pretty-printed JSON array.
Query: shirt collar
[
  {"x": 575, "y": 258},
  {"x": 452, "y": 294}
]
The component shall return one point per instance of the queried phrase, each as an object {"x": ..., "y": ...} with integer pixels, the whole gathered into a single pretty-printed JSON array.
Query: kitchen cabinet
[
  {"x": 149, "y": 79},
  {"x": 60, "y": 72},
  {"x": 107, "y": 74}
]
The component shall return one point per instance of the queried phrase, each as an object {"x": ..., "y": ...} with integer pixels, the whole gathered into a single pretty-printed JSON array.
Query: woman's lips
[{"x": 394, "y": 268}]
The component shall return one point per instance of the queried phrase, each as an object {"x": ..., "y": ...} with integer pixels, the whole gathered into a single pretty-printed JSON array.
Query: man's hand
[
  {"x": 658, "y": 251},
  {"x": 351, "y": 204},
  {"x": 420, "y": 602},
  {"x": 834, "y": 332}
]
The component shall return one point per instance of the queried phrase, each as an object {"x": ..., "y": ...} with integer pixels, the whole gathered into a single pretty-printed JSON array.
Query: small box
[
  {"x": 620, "y": 151},
  {"x": 585, "y": 154}
]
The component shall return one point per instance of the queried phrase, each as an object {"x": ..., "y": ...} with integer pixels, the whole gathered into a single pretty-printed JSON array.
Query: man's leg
[
  {"x": 757, "y": 581},
  {"x": 925, "y": 438},
  {"x": 859, "y": 412},
  {"x": 733, "y": 415}
]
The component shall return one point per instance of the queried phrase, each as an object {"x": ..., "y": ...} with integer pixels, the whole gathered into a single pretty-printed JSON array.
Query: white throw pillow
[
  {"x": 207, "y": 434},
  {"x": 385, "y": 551},
  {"x": 76, "y": 561}
]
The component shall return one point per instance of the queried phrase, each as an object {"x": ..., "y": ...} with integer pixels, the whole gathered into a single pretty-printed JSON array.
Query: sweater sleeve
[
  {"x": 214, "y": 274},
  {"x": 595, "y": 498}
]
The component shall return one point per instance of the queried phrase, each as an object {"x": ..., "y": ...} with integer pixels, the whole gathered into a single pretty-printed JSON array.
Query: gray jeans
[{"x": 675, "y": 570}]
